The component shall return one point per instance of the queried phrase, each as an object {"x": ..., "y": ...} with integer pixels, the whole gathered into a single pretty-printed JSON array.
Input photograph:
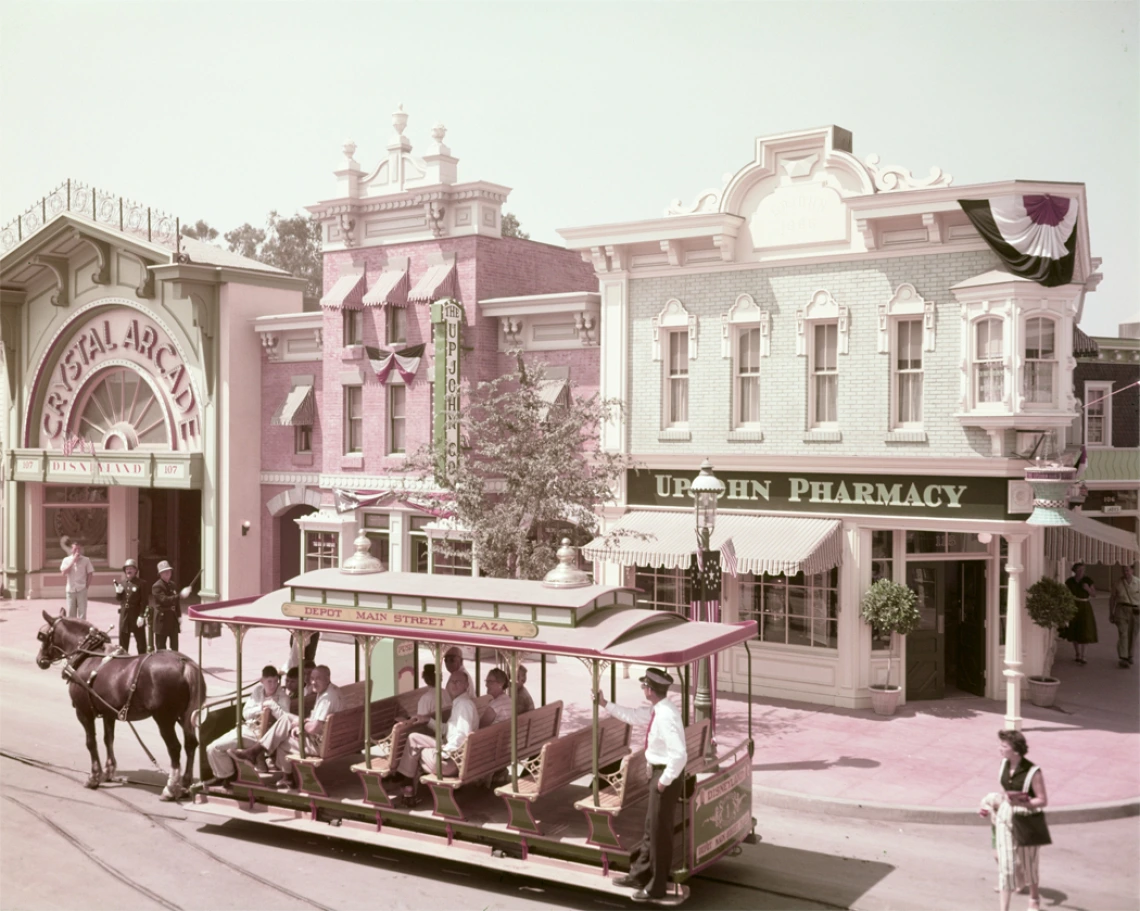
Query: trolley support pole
[
  {"x": 301, "y": 639},
  {"x": 595, "y": 672},
  {"x": 437, "y": 657},
  {"x": 368, "y": 644},
  {"x": 239, "y": 634},
  {"x": 513, "y": 665}
]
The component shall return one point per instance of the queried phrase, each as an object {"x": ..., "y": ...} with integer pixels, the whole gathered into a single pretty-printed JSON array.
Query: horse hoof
[
  {"x": 91, "y": 783},
  {"x": 166, "y": 796}
]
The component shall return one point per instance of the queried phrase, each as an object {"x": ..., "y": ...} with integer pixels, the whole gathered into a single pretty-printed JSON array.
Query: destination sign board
[{"x": 411, "y": 620}]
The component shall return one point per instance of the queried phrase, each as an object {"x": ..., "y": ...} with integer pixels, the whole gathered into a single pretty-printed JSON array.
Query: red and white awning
[
  {"x": 298, "y": 409},
  {"x": 1086, "y": 540},
  {"x": 347, "y": 293},
  {"x": 435, "y": 284},
  {"x": 390, "y": 288}
]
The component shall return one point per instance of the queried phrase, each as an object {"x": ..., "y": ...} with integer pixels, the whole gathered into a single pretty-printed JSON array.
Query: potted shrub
[
  {"x": 1051, "y": 606},
  {"x": 890, "y": 608}
]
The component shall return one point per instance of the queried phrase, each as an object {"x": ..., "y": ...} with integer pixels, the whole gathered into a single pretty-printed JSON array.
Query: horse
[{"x": 105, "y": 683}]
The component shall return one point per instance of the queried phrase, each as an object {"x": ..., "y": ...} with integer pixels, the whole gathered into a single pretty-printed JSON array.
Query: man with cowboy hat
[
  {"x": 129, "y": 594},
  {"x": 167, "y": 609},
  {"x": 666, "y": 754}
]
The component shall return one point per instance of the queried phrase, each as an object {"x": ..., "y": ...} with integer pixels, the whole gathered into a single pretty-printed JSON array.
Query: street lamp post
[{"x": 704, "y": 575}]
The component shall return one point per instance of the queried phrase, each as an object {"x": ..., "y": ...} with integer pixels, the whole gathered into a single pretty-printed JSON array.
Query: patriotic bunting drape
[
  {"x": 434, "y": 505},
  {"x": 1035, "y": 235},
  {"x": 406, "y": 362}
]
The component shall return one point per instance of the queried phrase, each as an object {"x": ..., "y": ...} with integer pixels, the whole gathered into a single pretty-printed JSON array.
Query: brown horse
[{"x": 165, "y": 685}]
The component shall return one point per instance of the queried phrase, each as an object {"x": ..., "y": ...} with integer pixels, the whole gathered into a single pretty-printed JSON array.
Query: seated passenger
[
  {"x": 420, "y": 752},
  {"x": 525, "y": 701},
  {"x": 267, "y": 696},
  {"x": 500, "y": 706},
  {"x": 290, "y": 681},
  {"x": 283, "y": 737}
]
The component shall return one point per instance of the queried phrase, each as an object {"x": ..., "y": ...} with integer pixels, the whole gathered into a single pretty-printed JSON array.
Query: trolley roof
[{"x": 595, "y": 621}]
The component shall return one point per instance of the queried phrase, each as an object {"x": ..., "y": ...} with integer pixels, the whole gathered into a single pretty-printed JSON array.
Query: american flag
[{"x": 728, "y": 557}]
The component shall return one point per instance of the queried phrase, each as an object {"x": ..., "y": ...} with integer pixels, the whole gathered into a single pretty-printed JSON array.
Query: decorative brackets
[
  {"x": 674, "y": 316},
  {"x": 512, "y": 328},
  {"x": 102, "y": 276},
  {"x": 586, "y": 323},
  {"x": 745, "y": 313},
  {"x": 269, "y": 342},
  {"x": 58, "y": 266},
  {"x": 347, "y": 225},
  {"x": 823, "y": 306},
  {"x": 203, "y": 297},
  {"x": 672, "y": 249}
]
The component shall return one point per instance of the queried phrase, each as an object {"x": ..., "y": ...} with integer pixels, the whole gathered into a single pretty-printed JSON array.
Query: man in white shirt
[
  {"x": 1126, "y": 615},
  {"x": 78, "y": 572},
  {"x": 420, "y": 752},
  {"x": 284, "y": 737},
  {"x": 666, "y": 754},
  {"x": 268, "y": 695},
  {"x": 499, "y": 708}
]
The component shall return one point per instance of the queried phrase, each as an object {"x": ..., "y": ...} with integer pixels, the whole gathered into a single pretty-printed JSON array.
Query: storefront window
[
  {"x": 663, "y": 589},
  {"x": 418, "y": 544},
  {"x": 376, "y": 529},
  {"x": 320, "y": 549},
  {"x": 943, "y": 542},
  {"x": 75, "y": 514},
  {"x": 793, "y": 610},
  {"x": 1003, "y": 591},
  {"x": 882, "y": 567},
  {"x": 1110, "y": 501},
  {"x": 451, "y": 558}
]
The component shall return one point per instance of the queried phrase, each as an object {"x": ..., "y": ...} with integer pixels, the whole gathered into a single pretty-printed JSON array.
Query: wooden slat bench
[
  {"x": 560, "y": 762},
  {"x": 390, "y": 744},
  {"x": 488, "y": 750},
  {"x": 630, "y": 785}
]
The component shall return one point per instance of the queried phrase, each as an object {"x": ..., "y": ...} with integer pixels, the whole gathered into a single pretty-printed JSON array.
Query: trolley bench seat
[
  {"x": 560, "y": 762},
  {"x": 488, "y": 750},
  {"x": 630, "y": 785}
]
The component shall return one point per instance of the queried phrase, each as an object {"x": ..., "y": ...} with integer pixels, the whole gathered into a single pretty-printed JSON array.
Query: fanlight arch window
[{"x": 120, "y": 411}]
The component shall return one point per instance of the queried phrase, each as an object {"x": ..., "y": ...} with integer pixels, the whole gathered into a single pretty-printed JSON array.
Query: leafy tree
[
  {"x": 510, "y": 227},
  {"x": 290, "y": 243},
  {"x": 200, "y": 230},
  {"x": 530, "y": 473}
]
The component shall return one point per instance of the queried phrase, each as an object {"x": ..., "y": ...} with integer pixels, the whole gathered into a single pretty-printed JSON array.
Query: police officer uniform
[
  {"x": 167, "y": 610},
  {"x": 132, "y": 604}
]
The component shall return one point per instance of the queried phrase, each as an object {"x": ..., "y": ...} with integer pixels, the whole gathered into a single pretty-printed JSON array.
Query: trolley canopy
[{"x": 596, "y": 621}]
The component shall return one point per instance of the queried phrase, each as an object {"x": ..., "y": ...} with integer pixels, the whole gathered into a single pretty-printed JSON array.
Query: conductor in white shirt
[
  {"x": 667, "y": 756},
  {"x": 78, "y": 572}
]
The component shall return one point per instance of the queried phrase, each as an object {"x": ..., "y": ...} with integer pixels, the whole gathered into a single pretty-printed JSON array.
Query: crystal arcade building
[{"x": 868, "y": 379}]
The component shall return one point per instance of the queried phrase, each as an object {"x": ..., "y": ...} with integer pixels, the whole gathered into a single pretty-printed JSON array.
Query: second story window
[
  {"x": 353, "y": 419},
  {"x": 353, "y": 327},
  {"x": 397, "y": 418},
  {"x": 303, "y": 438},
  {"x": 397, "y": 325},
  {"x": 824, "y": 367},
  {"x": 677, "y": 379},
  {"x": 748, "y": 377},
  {"x": 1098, "y": 414},
  {"x": 989, "y": 368},
  {"x": 1040, "y": 361},
  {"x": 908, "y": 373}
]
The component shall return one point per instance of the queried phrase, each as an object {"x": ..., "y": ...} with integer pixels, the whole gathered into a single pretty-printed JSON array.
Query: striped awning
[
  {"x": 1086, "y": 540},
  {"x": 347, "y": 293},
  {"x": 299, "y": 408},
  {"x": 390, "y": 288},
  {"x": 435, "y": 284},
  {"x": 764, "y": 544}
]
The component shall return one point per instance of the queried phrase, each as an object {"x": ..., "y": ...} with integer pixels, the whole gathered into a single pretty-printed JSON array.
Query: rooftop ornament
[
  {"x": 566, "y": 574},
  {"x": 362, "y": 562}
]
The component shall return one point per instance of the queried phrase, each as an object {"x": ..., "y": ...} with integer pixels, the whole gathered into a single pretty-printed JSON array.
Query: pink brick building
[{"x": 396, "y": 239}]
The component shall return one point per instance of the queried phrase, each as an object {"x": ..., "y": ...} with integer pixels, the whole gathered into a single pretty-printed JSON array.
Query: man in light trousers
[{"x": 78, "y": 572}]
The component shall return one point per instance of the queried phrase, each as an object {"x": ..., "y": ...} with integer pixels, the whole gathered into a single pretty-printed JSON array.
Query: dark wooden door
[
  {"x": 925, "y": 673},
  {"x": 971, "y": 664}
]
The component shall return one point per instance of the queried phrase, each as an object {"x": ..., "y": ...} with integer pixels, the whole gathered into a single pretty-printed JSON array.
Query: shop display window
[
  {"x": 451, "y": 558},
  {"x": 376, "y": 530},
  {"x": 944, "y": 542},
  {"x": 793, "y": 610},
  {"x": 75, "y": 514},
  {"x": 418, "y": 544},
  {"x": 663, "y": 589},
  {"x": 882, "y": 567},
  {"x": 321, "y": 549}
]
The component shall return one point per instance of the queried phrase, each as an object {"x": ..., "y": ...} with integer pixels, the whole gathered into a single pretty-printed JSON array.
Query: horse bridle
[{"x": 91, "y": 641}]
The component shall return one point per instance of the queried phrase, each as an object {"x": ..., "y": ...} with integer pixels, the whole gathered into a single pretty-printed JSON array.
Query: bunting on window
[
  {"x": 1035, "y": 236},
  {"x": 434, "y": 504},
  {"x": 406, "y": 361}
]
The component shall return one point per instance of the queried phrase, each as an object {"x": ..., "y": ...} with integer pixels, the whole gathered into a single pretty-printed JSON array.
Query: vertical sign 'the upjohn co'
[{"x": 447, "y": 318}]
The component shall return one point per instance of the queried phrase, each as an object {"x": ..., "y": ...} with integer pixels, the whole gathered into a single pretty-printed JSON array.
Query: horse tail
[{"x": 196, "y": 683}]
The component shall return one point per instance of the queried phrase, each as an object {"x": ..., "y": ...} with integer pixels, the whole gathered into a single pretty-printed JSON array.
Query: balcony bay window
[
  {"x": 1040, "y": 361},
  {"x": 989, "y": 367}
]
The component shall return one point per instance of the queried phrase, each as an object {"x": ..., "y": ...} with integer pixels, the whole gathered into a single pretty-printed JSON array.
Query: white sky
[{"x": 592, "y": 111}]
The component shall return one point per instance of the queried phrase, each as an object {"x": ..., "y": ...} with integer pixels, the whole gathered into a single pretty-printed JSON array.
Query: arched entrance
[{"x": 288, "y": 535}]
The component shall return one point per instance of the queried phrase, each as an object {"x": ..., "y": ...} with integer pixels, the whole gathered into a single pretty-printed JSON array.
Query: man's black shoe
[{"x": 630, "y": 882}]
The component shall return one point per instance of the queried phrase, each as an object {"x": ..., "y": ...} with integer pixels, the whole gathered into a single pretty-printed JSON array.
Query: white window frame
[
  {"x": 743, "y": 318},
  {"x": 397, "y": 422},
  {"x": 1098, "y": 393},
  {"x": 352, "y": 327},
  {"x": 998, "y": 360},
  {"x": 353, "y": 441},
  {"x": 914, "y": 325},
  {"x": 320, "y": 549},
  {"x": 815, "y": 422},
  {"x": 1049, "y": 363},
  {"x": 676, "y": 378},
  {"x": 377, "y": 527},
  {"x": 741, "y": 377}
]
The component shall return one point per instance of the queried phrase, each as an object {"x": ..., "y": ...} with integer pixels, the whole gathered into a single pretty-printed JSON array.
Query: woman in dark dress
[
  {"x": 1082, "y": 628},
  {"x": 1022, "y": 791}
]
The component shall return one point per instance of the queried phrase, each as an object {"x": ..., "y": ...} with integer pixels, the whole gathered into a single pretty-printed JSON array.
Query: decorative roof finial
[
  {"x": 399, "y": 119},
  {"x": 438, "y": 132},
  {"x": 349, "y": 149}
]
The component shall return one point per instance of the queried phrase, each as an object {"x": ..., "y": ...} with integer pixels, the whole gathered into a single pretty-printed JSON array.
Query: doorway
[
  {"x": 170, "y": 528},
  {"x": 948, "y": 649},
  {"x": 289, "y": 543}
]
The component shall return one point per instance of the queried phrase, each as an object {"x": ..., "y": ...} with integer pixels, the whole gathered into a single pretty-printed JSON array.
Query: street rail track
[{"x": 156, "y": 820}]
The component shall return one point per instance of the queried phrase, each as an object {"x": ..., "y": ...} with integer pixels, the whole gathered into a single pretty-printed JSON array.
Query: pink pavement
[{"x": 931, "y": 761}]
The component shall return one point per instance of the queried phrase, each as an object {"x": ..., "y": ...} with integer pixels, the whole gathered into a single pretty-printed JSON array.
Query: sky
[{"x": 593, "y": 112}]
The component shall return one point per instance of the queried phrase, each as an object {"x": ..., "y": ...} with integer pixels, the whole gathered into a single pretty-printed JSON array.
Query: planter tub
[
  {"x": 885, "y": 699},
  {"x": 1043, "y": 690}
]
